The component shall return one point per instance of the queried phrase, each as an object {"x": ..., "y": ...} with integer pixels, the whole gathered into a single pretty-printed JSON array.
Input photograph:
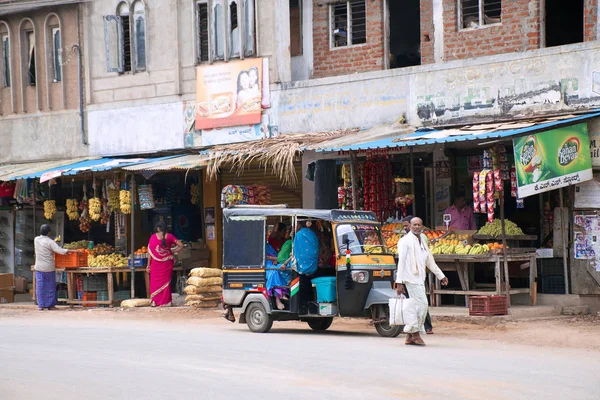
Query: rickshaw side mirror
[{"x": 345, "y": 240}]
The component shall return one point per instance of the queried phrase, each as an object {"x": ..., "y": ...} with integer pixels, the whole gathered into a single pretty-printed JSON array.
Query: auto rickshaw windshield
[{"x": 362, "y": 239}]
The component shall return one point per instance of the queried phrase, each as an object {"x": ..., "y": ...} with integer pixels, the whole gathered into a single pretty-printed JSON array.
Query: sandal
[{"x": 409, "y": 340}]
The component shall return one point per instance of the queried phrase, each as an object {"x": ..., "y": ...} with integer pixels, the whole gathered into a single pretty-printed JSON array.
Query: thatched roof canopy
[{"x": 276, "y": 153}]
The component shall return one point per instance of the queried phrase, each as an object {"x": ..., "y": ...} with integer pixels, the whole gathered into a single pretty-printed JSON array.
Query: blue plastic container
[{"x": 325, "y": 289}]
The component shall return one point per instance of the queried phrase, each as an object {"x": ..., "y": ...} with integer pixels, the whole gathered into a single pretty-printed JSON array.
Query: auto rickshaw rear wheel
[
  {"x": 320, "y": 324},
  {"x": 383, "y": 327},
  {"x": 257, "y": 318}
]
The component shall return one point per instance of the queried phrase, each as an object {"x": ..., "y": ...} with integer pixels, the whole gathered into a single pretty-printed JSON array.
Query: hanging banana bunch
[
  {"x": 95, "y": 205},
  {"x": 195, "y": 193},
  {"x": 49, "y": 209},
  {"x": 72, "y": 209},
  {"x": 125, "y": 199}
]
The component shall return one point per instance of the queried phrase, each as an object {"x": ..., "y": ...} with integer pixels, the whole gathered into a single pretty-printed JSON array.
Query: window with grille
[
  {"x": 5, "y": 43},
  {"x": 125, "y": 38},
  {"x": 225, "y": 29},
  {"x": 477, "y": 13},
  {"x": 348, "y": 23},
  {"x": 56, "y": 55}
]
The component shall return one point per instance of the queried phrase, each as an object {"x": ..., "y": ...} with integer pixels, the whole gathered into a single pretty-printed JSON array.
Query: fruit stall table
[
  {"x": 109, "y": 271},
  {"x": 460, "y": 264}
]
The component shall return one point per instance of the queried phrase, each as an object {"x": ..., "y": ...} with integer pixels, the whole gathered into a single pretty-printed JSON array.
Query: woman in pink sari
[{"x": 160, "y": 264}]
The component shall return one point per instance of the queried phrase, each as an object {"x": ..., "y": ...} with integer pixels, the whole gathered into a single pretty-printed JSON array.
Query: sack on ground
[
  {"x": 403, "y": 311},
  {"x": 131, "y": 303},
  {"x": 200, "y": 282},
  {"x": 206, "y": 273},
  {"x": 203, "y": 304},
  {"x": 210, "y": 289},
  {"x": 203, "y": 297},
  {"x": 191, "y": 289}
]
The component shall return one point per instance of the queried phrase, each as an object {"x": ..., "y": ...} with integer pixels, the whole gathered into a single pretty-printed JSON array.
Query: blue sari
[
  {"x": 275, "y": 278},
  {"x": 306, "y": 251}
]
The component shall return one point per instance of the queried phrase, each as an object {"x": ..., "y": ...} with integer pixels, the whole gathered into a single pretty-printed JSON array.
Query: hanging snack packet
[{"x": 476, "y": 192}]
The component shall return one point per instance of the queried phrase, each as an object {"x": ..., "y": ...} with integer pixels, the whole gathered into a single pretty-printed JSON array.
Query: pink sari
[{"x": 161, "y": 269}]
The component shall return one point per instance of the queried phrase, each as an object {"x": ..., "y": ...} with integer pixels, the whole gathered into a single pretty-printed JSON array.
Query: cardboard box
[
  {"x": 200, "y": 255},
  {"x": 20, "y": 284},
  {"x": 7, "y": 296}
]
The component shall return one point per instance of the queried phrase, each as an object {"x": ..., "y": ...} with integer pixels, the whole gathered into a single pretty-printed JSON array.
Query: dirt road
[{"x": 159, "y": 354}]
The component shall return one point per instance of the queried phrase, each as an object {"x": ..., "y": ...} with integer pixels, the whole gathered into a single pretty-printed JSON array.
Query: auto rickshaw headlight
[{"x": 360, "y": 276}]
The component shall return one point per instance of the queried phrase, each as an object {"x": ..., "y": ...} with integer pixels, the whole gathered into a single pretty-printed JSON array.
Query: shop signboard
[
  {"x": 553, "y": 159},
  {"x": 229, "y": 94}
]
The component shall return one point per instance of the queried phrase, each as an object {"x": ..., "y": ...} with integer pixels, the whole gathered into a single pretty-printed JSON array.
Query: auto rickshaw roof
[{"x": 328, "y": 215}]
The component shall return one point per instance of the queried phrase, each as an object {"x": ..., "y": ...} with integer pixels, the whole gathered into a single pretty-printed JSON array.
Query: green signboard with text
[{"x": 553, "y": 159}]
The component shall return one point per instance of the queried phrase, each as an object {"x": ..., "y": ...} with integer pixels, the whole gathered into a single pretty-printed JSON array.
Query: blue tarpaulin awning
[{"x": 474, "y": 132}]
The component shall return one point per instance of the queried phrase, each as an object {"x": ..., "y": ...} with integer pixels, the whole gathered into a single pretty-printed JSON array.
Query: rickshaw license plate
[{"x": 383, "y": 273}]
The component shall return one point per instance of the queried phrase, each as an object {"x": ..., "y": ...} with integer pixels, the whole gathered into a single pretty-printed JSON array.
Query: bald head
[{"x": 416, "y": 225}]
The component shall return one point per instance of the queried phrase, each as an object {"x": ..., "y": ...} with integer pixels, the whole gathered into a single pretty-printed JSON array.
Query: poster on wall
[
  {"x": 595, "y": 148},
  {"x": 587, "y": 237},
  {"x": 229, "y": 94},
  {"x": 587, "y": 194},
  {"x": 553, "y": 159}
]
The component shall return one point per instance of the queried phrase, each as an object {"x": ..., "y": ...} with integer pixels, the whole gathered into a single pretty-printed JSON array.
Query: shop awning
[
  {"x": 468, "y": 133},
  {"x": 96, "y": 165},
  {"x": 189, "y": 161},
  {"x": 10, "y": 172}
]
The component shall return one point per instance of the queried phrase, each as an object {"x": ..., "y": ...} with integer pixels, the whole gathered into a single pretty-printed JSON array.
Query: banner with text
[
  {"x": 553, "y": 159},
  {"x": 229, "y": 94}
]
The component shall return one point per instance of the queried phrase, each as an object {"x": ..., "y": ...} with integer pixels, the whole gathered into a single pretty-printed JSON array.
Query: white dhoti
[{"x": 417, "y": 292}]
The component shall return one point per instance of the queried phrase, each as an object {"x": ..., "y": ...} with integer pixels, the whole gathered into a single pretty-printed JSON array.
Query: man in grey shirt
[{"x": 45, "y": 285}]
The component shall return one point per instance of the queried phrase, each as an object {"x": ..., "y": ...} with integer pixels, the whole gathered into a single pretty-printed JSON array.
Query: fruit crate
[
  {"x": 71, "y": 260},
  {"x": 89, "y": 296},
  {"x": 488, "y": 305},
  {"x": 122, "y": 295},
  {"x": 94, "y": 283}
]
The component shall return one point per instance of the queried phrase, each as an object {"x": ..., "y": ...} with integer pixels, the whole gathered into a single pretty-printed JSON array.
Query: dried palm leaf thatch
[{"x": 276, "y": 153}]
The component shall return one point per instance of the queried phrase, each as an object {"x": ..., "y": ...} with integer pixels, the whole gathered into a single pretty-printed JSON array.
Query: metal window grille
[
  {"x": 6, "y": 61},
  {"x": 349, "y": 23},
  {"x": 477, "y": 13},
  {"x": 126, "y": 43},
  {"x": 203, "y": 33}
]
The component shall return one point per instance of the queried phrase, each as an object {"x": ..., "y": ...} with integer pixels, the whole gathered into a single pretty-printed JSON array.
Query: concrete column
[{"x": 438, "y": 30}]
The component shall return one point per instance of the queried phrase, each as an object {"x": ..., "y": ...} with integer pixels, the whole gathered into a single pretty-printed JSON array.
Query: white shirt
[
  {"x": 414, "y": 258},
  {"x": 44, "y": 253}
]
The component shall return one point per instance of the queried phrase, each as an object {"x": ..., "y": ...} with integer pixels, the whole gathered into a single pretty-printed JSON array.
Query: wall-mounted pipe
[{"x": 77, "y": 49}]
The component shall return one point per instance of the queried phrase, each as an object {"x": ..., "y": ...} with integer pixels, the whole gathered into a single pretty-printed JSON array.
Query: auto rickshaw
[{"x": 364, "y": 270}]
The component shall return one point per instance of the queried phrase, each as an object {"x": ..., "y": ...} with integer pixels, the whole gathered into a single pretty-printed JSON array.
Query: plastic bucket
[{"x": 325, "y": 289}]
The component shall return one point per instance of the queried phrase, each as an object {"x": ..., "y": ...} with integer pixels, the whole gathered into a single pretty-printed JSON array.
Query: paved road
[{"x": 66, "y": 357}]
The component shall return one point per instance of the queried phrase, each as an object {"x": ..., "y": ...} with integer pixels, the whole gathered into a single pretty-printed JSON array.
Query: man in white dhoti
[{"x": 414, "y": 257}]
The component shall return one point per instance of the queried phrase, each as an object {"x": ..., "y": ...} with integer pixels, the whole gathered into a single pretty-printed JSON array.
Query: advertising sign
[
  {"x": 595, "y": 148},
  {"x": 229, "y": 94},
  {"x": 553, "y": 159}
]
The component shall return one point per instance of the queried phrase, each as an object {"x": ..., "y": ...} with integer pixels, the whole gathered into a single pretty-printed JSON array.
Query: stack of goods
[
  {"x": 49, "y": 209},
  {"x": 195, "y": 193},
  {"x": 392, "y": 232},
  {"x": 402, "y": 194},
  {"x": 109, "y": 260},
  {"x": 259, "y": 195},
  {"x": 494, "y": 229},
  {"x": 113, "y": 200},
  {"x": 345, "y": 191},
  {"x": 447, "y": 246},
  {"x": 204, "y": 287},
  {"x": 239, "y": 195},
  {"x": 377, "y": 176},
  {"x": 78, "y": 245},
  {"x": 95, "y": 208},
  {"x": 125, "y": 201},
  {"x": 72, "y": 209},
  {"x": 146, "y": 197},
  {"x": 84, "y": 220},
  {"x": 102, "y": 249},
  {"x": 434, "y": 234}
]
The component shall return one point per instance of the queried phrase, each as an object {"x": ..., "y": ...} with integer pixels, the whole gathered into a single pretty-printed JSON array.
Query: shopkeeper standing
[
  {"x": 461, "y": 214},
  {"x": 45, "y": 267}
]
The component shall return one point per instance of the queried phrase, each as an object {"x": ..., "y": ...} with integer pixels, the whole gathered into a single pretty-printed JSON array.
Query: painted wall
[
  {"x": 131, "y": 130},
  {"x": 463, "y": 91}
]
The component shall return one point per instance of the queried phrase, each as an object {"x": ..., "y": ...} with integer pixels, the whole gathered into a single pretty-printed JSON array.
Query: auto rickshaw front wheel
[
  {"x": 257, "y": 318},
  {"x": 320, "y": 324}
]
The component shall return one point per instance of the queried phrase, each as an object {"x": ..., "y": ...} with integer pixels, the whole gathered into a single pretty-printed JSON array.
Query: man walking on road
[{"x": 414, "y": 257}]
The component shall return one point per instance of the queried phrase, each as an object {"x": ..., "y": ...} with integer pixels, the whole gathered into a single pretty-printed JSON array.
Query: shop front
[
  {"x": 497, "y": 220},
  {"x": 107, "y": 209}
]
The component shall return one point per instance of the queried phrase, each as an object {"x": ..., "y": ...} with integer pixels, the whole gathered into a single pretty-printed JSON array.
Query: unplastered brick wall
[
  {"x": 346, "y": 60},
  {"x": 590, "y": 20},
  {"x": 519, "y": 31},
  {"x": 427, "y": 31}
]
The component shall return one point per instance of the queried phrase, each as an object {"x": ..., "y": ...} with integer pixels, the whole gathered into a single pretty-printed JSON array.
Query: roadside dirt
[{"x": 582, "y": 332}]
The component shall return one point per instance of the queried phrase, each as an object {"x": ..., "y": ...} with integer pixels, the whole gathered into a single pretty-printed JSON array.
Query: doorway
[
  {"x": 405, "y": 33},
  {"x": 564, "y": 22}
]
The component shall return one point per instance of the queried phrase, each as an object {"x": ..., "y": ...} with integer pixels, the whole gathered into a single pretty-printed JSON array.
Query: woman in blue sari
[
  {"x": 276, "y": 273},
  {"x": 306, "y": 251}
]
